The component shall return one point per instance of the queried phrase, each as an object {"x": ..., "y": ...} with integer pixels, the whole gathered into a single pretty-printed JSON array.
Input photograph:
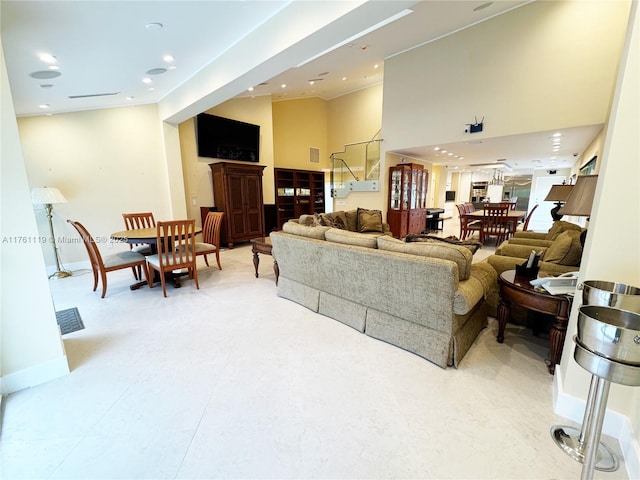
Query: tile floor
[{"x": 233, "y": 382}]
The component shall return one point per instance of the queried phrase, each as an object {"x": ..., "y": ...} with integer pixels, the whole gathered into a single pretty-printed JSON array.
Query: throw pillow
[
  {"x": 369, "y": 220},
  {"x": 472, "y": 245},
  {"x": 351, "y": 220},
  {"x": 332, "y": 220},
  {"x": 560, "y": 226},
  {"x": 565, "y": 250}
]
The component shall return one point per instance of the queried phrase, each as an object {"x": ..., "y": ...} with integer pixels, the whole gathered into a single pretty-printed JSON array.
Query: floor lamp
[{"x": 47, "y": 196}]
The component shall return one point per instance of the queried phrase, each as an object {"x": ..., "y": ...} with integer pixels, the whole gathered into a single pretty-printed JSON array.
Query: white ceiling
[{"x": 104, "y": 48}]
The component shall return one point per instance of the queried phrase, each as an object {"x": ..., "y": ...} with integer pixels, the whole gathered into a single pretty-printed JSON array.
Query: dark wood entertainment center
[{"x": 237, "y": 191}]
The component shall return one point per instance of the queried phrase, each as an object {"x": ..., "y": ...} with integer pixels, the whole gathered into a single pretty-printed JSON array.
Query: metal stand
[
  {"x": 60, "y": 272},
  {"x": 572, "y": 440}
]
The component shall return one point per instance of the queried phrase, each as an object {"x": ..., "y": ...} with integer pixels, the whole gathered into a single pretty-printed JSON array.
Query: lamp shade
[
  {"x": 558, "y": 193},
  {"x": 580, "y": 200},
  {"x": 45, "y": 195}
]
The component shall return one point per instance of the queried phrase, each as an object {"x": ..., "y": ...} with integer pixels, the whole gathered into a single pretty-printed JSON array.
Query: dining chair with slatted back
[
  {"x": 467, "y": 225},
  {"x": 495, "y": 223},
  {"x": 211, "y": 237},
  {"x": 176, "y": 250},
  {"x": 139, "y": 220},
  {"x": 102, "y": 265},
  {"x": 525, "y": 224}
]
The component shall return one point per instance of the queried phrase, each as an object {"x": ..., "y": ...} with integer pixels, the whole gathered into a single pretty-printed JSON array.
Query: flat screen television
[
  {"x": 223, "y": 138},
  {"x": 450, "y": 196}
]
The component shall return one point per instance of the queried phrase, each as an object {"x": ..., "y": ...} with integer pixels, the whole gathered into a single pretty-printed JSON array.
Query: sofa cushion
[
  {"x": 460, "y": 255},
  {"x": 472, "y": 245},
  {"x": 566, "y": 249},
  {"x": 295, "y": 228},
  {"x": 333, "y": 220},
  {"x": 560, "y": 226},
  {"x": 307, "y": 220},
  {"x": 369, "y": 240},
  {"x": 351, "y": 220},
  {"x": 369, "y": 220},
  {"x": 486, "y": 275}
]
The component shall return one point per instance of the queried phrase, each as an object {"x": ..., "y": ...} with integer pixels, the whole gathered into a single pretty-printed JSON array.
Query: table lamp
[
  {"x": 559, "y": 194},
  {"x": 47, "y": 196},
  {"x": 580, "y": 200}
]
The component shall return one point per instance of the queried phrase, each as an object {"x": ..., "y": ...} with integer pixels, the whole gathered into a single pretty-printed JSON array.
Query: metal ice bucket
[
  {"x": 610, "y": 294},
  {"x": 611, "y": 333}
]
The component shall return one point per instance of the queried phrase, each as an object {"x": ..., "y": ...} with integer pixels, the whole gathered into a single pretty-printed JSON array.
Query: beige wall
[
  {"x": 298, "y": 125},
  {"x": 31, "y": 350},
  {"x": 352, "y": 118},
  {"x": 105, "y": 162},
  {"x": 533, "y": 69}
]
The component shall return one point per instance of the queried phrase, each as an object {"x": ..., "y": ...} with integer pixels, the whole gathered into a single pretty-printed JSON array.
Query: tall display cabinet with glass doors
[{"x": 407, "y": 209}]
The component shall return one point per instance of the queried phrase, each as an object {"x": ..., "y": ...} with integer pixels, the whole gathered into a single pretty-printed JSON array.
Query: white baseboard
[
  {"x": 615, "y": 424},
  {"x": 32, "y": 376}
]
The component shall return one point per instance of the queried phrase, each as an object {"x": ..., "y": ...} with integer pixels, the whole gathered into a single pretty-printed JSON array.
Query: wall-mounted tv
[{"x": 218, "y": 137}]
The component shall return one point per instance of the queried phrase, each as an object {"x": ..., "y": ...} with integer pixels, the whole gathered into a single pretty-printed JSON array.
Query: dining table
[{"x": 149, "y": 236}]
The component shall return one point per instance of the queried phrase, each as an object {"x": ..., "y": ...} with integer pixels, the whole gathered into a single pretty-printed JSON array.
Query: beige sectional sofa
[{"x": 426, "y": 298}]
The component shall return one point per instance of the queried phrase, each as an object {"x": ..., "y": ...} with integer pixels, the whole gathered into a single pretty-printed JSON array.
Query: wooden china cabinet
[
  {"x": 237, "y": 191},
  {"x": 407, "y": 208}
]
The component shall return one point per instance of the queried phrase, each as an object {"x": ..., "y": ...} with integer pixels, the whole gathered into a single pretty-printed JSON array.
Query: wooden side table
[
  {"x": 516, "y": 290},
  {"x": 263, "y": 245}
]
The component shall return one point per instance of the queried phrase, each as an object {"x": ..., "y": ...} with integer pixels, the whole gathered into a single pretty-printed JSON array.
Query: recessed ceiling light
[
  {"x": 150, "y": 89},
  {"x": 344, "y": 78},
  {"x": 54, "y": 67},
  {"x": 154, "y": 26},
  {"x": 45, "y": 74},
  {"x": 250, "y": 89},
  {"x": 556, "y": 135},
  {"x": 284, "y": 85},
  {"x": 311, "y": 82},
  {"x": 47, "y": 58},
  {"x": 146, "y": 80},
  {"x": 168, "y": 58},
  {"x": 437, "y": 148},
  {"x": 44, "y": 105},
  {"x": 156, "y": 71},
  {"x": 376, "y": 66},
  {"x": 130, "y": 98}
]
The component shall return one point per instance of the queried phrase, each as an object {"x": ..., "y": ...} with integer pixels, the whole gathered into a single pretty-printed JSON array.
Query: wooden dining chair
[
  {"x": 210, "y": 237},
  {"x": 495, "y": 223},
  {"x": 525, "y": 225},
  {"x": 176, "y": 250},
  {"x": 102, "y": 265},
  {"x": 134, "y": 221},
  {"x": 467, "y": 226}
]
